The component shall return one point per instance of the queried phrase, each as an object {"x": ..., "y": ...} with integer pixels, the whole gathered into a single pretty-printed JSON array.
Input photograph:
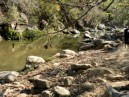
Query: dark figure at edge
[{"x": 126, "y": 36}]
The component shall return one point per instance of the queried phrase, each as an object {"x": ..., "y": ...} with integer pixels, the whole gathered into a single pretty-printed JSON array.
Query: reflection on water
[{"x": 13, "y": 53}]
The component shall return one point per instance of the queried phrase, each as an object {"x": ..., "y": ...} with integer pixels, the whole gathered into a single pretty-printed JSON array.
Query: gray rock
[
  {"x": 111, "y": 92},
  {"x": 97, "y": 42},
  {"x": 40, "y": 83},
  {"x": 86, "y": 46},
  {"x": 126, "y": 69},
  {"x": 92, "y": 30},
  {"x": 61, "y": 91},
  {"x": 66, "y": 53},
  {"x": 87, "y": 86},
  {"x": 100, "y": 80},
  {"x": 68, "y": 80},
  {"x": 111, "y": 43},
  {"x": 108, "y": 47},
  {"x": 34, "y": 60},
  {"x": 87, "y": 40},
  {"x": 47, "y": 93},
  {"x": 16, "y": 24},
  {"x": 87, "y": 34},
  {"x": 1, "y": 38},
  {"x": 101, "y": 26},
  {"x": 114, "y": 77},
  {"x": 76, "y": 31},
  {"x": 119, "y": 84},
  {"x": 100, "y": 71},
  {"x": 10, "y": 78},
  {"x": 81, "y": 66}
]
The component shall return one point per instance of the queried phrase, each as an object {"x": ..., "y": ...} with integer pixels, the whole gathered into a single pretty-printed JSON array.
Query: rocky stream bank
[{"x": 100, "y": 68}]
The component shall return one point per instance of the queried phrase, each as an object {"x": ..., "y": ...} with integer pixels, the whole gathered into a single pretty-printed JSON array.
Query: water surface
[{"x": 14, "y": 57}]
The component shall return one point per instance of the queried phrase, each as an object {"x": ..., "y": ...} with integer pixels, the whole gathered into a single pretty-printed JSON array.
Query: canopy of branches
[{"x": 67, "y": 11}]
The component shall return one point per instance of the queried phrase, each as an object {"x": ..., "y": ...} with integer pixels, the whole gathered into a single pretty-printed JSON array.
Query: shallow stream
[{"x": 13, "y": 53}]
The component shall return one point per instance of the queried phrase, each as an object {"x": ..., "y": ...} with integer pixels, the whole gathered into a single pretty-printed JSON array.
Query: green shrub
[
  {"x": 32, "y": 34},
  {"x": 13, "y": 35}
]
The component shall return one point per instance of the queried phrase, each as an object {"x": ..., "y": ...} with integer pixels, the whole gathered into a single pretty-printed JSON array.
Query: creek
[{"x": 13, "y": 53}]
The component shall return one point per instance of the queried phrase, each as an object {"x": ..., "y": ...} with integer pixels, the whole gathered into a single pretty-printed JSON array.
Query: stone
[
  {"x": 87, "y": 40},
  {"x": 81, "y": 66},
  {"x": 75, "y": 31},
  {"x": 47, "y": 93},
  {"x": 40, "y": 83},
  {"x": 111, "y": 92},
  {"x": 68, "y": 80},
  {"x": 100, "y": 80},
  {"x": 16, "y": 24},
  {"x": 108, "y": 47},
  {"x": 24, "y": 17},
  {"x": 61, "y": 91},
  {"x": 119, "y": 84},
  {"x": 66, "y": 53},
  {"x": 6, "y": 92},
  {"x": 87, "y": 86},
  {"x": 101, "y": 26},
  {"x": 97, "y": 42},
  {"x": 114, "y": 77},
  {"x": 99, "y": 71},
  {"x": 34, "y": 60},
  {"x": 22, "y": 95},
  {"x": 1, "y": 38},
  {"x": 101, "y": 46},
  {"x": 86, "y": 46},
  {"x": 95, "y": 64},
  {"x": 87, "y": 35},
  {"x": 126, "y": 69},
  {"x": 10, "y": 78}
]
